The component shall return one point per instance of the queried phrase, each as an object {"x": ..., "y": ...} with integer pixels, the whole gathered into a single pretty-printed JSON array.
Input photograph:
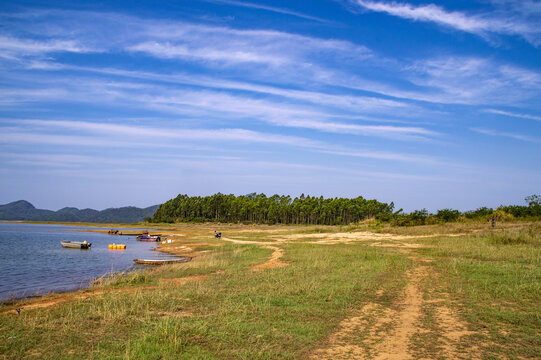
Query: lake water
[{"x": 32, "y": 261}]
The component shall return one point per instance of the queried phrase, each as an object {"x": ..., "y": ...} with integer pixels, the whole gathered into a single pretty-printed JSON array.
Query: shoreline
[
  {"x": 85, "y": 285},
  {"x": 304, "y": 293}
]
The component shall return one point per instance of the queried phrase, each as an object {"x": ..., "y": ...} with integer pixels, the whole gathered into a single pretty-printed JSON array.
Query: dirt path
[
  {"x": 273, "y": 262},
  {"x": 351, "y": 237},
  {"x": 396, "y": 332}
]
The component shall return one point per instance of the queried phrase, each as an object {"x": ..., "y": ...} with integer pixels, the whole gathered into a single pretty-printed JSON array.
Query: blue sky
[{"x": 428, "y": 104}]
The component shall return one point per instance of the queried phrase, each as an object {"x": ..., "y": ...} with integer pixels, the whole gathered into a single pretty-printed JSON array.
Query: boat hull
[
  {"x": 148, "y": 238},
  {"x": 75, "y": 245},
  {"x": 161, "y": 261}
]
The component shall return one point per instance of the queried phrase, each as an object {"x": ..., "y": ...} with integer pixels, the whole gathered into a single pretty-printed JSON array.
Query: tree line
[
  {"x": 502, "y": 213},
  {"x": 283, "y": 209},
  {"x": 276, "y": 209}
]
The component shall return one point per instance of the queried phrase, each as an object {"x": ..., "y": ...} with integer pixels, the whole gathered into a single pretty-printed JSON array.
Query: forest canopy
[
  {"x": 312, "y": 210},
  {"x": 276, "y": 209}
]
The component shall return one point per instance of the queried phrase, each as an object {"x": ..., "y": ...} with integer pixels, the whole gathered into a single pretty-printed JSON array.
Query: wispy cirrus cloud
[
  {"x": 291, "y": 60},
  {"x": 281, "y": 107},
  {"x": 379, "y": 155},
  {"x": 393, "y": 132},
  {"x": 431, "y": 13},
  {"x": 186, "y": 41},
  {"x": 168, "y": 50},
  {"x": 267, "y": 8},
  {"x": 514, "y": 136},
  {"x": 197, "y": 104},
  {"x": 107, "y": 135},
  {"x": 13, "y": 48},
  {"x": 54, "y": 160},
  {"x": 512, "y": 114},
  {"x": 490, "y": 22},
  {"x": 114, "y": 32},
  {"x": 145, "y": 132},
  {"x": 342, "y": 100},
  {"x": 474, "y": 80}
]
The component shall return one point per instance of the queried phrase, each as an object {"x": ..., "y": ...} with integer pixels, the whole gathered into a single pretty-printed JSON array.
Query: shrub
[
  {"x": 446, "y": 215},
  {"x": 482, "y": 212}
]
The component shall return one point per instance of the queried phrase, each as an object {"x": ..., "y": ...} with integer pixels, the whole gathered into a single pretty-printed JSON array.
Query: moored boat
[
  {"x": 76, "y": 244},
  {"x": 161, "y": 261},
  {"x": 148, "y": 238}
]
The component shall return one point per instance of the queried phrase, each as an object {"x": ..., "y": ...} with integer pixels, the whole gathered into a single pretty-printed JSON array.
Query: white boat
[{"x": 76, "y": 244}]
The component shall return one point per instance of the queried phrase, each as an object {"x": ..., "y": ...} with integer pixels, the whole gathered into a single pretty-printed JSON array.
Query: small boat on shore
[
  {"x": 161, "y": 261},
  {"x": 76, "y": 244},
  {"x": 148, "y": 238}
]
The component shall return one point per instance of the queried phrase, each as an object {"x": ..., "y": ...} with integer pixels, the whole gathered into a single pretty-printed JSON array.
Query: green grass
[
  {"x": 238, "y": 314},
  {"x": 491, "y": 279},
  {"x": 495, "y": 280}
]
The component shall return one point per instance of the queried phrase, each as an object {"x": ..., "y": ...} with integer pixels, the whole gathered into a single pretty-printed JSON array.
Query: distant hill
[{"x": 23, "y": 210}]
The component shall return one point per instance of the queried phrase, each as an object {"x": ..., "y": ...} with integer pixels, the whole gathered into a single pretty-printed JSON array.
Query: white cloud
[
  {"x": 196, "y": 42},
  {"x": 474, "y": 81},
  {"x": 229, "y": 56},
  {"x": 292, "y": 61},
  {"x": 394, "y": 132},
  {"x": 480, "y": 24},
  {"x": 13, "y": 48},
  {"x": 104, "y": 135},
  {"x": 377, "y": 155},
  {"x": 267, "y": 8},
  {"x": 341, "y": 101},
  {"x": 514, "y": 136},
  {"x": 295, "y": 108},
  {"x": 511, "y": 114},
  {"x": 148, "y": 134},
  {"x": 432, "y": 13},
  {"x": 181, "y": 40}
]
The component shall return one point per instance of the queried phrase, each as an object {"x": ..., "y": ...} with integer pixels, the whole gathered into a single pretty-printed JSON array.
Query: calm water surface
[{"x": 32, "y": 261}]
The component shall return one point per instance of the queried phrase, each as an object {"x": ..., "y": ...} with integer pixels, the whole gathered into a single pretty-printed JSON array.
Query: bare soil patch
[
  {"x": 85, "y": 294},
  {"x": 273, "y": 262},
  {"x": 386, "y": 332},
  {"x": 184, "y": 280}
]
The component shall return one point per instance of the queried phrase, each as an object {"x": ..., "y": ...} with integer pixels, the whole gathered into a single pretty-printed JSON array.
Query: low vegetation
[{"x": 331, "y": 279}]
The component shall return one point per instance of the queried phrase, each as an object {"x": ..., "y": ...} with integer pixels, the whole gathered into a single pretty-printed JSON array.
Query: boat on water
[
  {"x": 148, "y": 238},
  {"x": 162, "y": 261},
  {"x": 76, "y": 244}
]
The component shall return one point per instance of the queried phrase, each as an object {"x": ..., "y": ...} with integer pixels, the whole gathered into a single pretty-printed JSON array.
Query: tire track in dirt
[
  {"x": 396, "y": 345},
  {"x": 452, "y": 330},
  {"x": 379, "y": 332},
  {"x": 373, "y": 338}
]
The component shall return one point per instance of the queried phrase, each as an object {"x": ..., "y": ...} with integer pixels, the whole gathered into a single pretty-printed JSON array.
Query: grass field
[{"x": 457, "y": 291}]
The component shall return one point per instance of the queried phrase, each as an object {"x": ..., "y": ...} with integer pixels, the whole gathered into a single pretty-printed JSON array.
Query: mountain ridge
[{"x": 26, "y": 211}]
